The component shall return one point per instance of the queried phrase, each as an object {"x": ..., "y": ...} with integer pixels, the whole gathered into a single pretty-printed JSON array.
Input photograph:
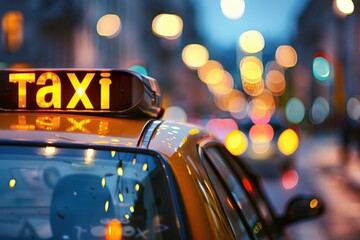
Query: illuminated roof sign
[{"x": 73, "y": 90}]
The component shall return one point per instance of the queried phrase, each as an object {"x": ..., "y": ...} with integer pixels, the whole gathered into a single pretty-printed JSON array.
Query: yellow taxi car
[{"x": 84, "y": 154}]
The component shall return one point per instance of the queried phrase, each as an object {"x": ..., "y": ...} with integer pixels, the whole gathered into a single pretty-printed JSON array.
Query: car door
[{"x": 235, "y": 186}]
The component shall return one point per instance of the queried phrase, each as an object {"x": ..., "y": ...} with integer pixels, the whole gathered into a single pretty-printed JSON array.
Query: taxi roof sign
[{"x": 113, "y": 92}]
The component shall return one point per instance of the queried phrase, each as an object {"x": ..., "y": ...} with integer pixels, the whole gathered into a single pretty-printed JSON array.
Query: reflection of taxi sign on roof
[{"x": 106, "y": 91}]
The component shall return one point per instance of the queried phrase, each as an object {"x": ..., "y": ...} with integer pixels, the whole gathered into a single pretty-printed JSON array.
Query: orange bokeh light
[{"x": 113, "y": 230}]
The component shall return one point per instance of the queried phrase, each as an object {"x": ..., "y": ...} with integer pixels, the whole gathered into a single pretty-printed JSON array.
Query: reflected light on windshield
[
  {"x": 120, "y": 171},
  {"x": 89, "y": 155},
  {"x": 113, "y": 230},
  {"x": 12, "y": 182},
  {"x": 49, "y": 151},
  {"x": 121, "y": 197},
  {"x": 290, "y": 179}
]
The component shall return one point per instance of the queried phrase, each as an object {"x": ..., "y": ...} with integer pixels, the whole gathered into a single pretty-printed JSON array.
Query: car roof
[{"x": 70, "y": 128}]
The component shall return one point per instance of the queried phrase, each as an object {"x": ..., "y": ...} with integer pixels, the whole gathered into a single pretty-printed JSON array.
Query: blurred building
[
  {"x": 325, "y": 33},
  {"x": 66, "y": 34}
]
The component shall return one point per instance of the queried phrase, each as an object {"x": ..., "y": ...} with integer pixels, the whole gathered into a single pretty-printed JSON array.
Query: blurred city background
[{"x": 219, "y": 64}]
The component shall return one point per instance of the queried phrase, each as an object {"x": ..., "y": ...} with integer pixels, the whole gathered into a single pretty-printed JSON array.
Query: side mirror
[{"x": 301, "y": 208}]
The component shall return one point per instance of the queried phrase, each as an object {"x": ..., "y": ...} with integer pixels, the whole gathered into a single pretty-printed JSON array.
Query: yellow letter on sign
[
  {"x": 55, "y": 90},
  {"x": 22, "y": 79},
  {"x": 80, "y": 90}
]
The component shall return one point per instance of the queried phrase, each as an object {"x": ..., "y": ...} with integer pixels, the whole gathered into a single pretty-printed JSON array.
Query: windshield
[{"x": 69, "y": 193}]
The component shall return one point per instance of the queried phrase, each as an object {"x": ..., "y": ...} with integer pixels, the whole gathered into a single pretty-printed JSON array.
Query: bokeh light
[
  {"x": 286, "y": 56},
  {"x": 109, "y": 25},
  {"x": 236, "y": 142},
  {"x": 345, "y": 7},
  {"x": 251, "y": 41},
  {"x": 232, "y": 9},
  {"x": 295, "y": 110},
  {"x": 225, "y": 86},
  {"x": 211, "y": 72},
  {"x": 221, "y": 127},
  {"x": 168, "y": 26},
  {"x": 113, "y": 230},
  {"x": 261, "y": 133},
  {"x": 275, "y": 82},
  {"x": 290, "y": 179},
  {"x": 353, "y": 108},
  {"x": 251, "y": 68},
  {"x": 261, "y": 108},
  {"x": 319, "y": 111},
  {"x": 195, "y": 55},
  {"x": 321, "y": 68},
  {"x": 288, "y": 142},
  {"x": 175, "y": 113},
  {"x": 140, "y": 69}
]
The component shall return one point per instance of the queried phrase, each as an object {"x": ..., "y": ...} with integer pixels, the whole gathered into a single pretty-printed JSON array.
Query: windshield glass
[{"x": 69, "y": 193}]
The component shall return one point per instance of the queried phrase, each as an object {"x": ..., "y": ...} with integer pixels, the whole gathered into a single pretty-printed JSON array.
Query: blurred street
[
  {"x": 220, "y": 65},
  {"x": 321, "y": 172}
]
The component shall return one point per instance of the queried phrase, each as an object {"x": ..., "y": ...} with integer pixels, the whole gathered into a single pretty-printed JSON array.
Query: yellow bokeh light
[
  {"x": 223, "y": 87},
  {"x": 252, "y": 88},
  {"x": 109, "y": 25},
  {"x": 232, "y": 9},
  {"x": 251, "y": 68},
  {"x": 211, "y": 72},
  {"x": 314, "y": 203},
  {"x": 251, "y": 41},
  {"x": 12, "y": 183},
  {"x": 286, "y": 56},
  {"x": 288, "y": 142},
  {"x": 168, "y": 26},
  {"x": 236, "y": 142},
  {"x": 345, "y": 6},
  {"x": 195, "y": 55},
  {"x": 114, "y": 230}
]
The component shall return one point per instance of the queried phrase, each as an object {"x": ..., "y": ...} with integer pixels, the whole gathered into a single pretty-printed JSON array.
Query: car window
[
  {"x": 68, "y": 193},
  {"x": 235, "y": 218},
  {"x": 238, "y": 191}
]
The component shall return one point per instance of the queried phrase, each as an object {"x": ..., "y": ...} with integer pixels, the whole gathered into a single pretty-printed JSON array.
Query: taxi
[{"x": 85, "y": 154}]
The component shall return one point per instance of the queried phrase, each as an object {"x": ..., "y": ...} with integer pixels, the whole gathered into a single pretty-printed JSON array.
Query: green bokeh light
[
  {"x": 295, "y": 110},
  {"x": 321, "y": 68},
  {"x": 140, "y": 69}
]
